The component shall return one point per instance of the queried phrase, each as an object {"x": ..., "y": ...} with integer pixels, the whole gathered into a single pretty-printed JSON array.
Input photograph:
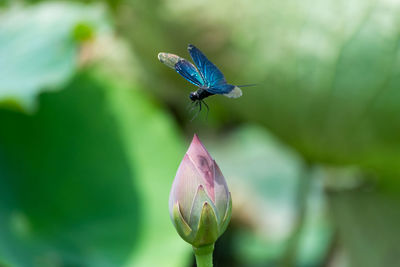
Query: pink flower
[{"x": 200, "y": 203}]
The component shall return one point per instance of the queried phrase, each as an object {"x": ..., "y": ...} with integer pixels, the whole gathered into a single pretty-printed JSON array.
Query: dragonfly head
[{"x": 194, "y": 96}]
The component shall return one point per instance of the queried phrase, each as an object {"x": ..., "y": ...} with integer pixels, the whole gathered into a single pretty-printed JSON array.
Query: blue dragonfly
[{"x": 207, "y": 77}]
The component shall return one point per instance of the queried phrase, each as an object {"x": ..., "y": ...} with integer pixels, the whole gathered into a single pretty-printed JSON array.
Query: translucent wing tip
[
  {"x": 168, "y": 59},
  {"x": 161, "y": 56},
  {"x": 235, "y": 93}
]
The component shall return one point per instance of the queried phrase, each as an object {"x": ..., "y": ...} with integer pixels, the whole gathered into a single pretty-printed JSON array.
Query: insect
[{"x": 205, "y": 75}]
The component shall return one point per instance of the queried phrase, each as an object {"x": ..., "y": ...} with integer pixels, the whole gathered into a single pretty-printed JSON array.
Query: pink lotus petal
[
  {"x": 204, "y": 164},
  {"x": 221, "y": 191},
  {"x": 185, "y": 185}
]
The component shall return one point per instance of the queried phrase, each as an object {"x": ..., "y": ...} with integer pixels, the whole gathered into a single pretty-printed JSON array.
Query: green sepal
[
  {"x": 180, "y": 224},
  {"x": 207, "y": 232},
  {"x": 200, "y": 198},
  {"x": 227, "y": 218}
]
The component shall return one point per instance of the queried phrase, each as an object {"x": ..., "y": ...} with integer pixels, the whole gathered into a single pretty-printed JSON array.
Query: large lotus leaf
[
  {"x": 39, "y": 47},
  {"x": 85, "y": 180},
  {"x": 331, "y": 81},
  {"x": 327, "y": 71},
  {"x": 155, "y": 148},
  {"x": 368, "y": 226}
]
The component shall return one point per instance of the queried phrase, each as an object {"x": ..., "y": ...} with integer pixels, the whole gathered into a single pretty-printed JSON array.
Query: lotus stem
[{"x": 204, "y": 255}]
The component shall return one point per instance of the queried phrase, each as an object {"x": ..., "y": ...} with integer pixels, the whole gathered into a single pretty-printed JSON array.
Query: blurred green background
[{"x": 93, "y": 128}]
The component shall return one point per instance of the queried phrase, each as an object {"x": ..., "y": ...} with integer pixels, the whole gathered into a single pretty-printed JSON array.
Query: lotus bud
[{"x": 200, "y": 203}]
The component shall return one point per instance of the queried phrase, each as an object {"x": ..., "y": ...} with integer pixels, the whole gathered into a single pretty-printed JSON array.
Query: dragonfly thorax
[{"x": 200, "y": 94}]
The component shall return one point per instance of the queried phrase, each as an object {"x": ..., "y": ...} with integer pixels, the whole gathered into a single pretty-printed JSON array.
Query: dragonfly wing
[
  {"x": 169, "y": 59},
  {"x": 225, "y": 89},
  {"x": 211, "y": 75},
  {"x": 234, "y": 93},
  {"x": 189, "y": 72}
]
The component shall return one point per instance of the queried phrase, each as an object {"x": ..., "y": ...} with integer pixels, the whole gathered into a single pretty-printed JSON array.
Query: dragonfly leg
[
  {"x": 193, "y": 105},
  {"x": 198, "y": 103},
  {"x": 190, "y": 106},
  {"x": 208, "y": 109}
]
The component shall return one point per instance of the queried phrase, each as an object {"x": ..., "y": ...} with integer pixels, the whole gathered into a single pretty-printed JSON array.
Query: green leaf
[
  {"x": 155, "y": 148},
  {"x": 368, "y": 225},
  {"x": 85, "y": 180},
  {"x": 330, "y": 79},
  {"x": 327, "y": 73},
  {"x": 39, "y": 48}
]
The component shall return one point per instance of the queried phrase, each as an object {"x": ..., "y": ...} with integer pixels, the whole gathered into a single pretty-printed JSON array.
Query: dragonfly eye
[{"x": 193, "y": 96}]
